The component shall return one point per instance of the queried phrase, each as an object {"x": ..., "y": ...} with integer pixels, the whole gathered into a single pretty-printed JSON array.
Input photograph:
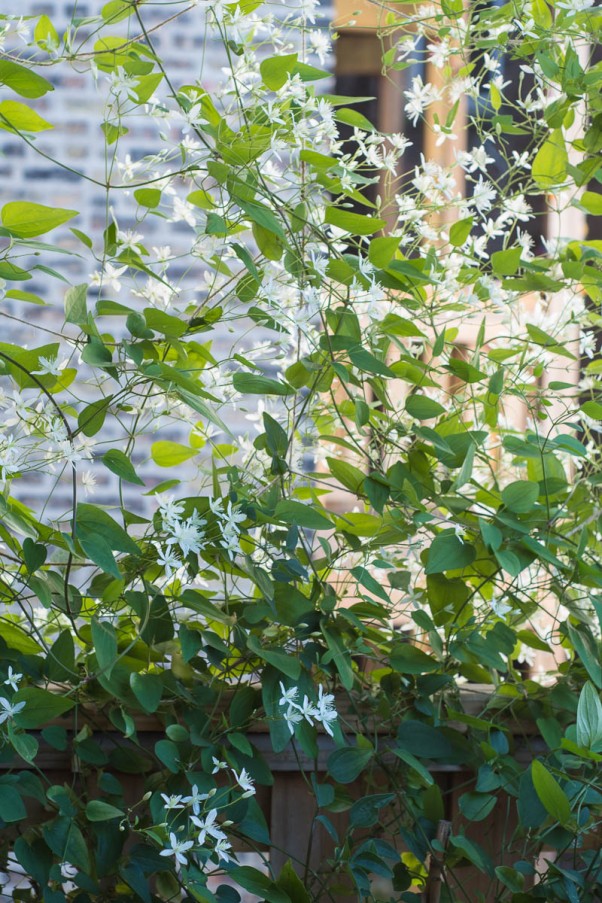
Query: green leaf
[
  {"x": 506, "y": 263},
  {"x": 279, "y": 659},
  {"x": 423, "y": 408},
  {"x": 477, "y": 806},
  {"x": 421, "y": 770},
  {"x": 520, "y": 496},
  {"x": 12, "y": 807},
  {"x": 96, "y": 354},
  {"x": 28, "y": 220},
  {"x": 423, "y": 740},
  {"x": 23, "y": 81},
  {"x": 119, "y": 463},
  {"x": 276, "y": 436},
  {"x": 255, "y": 384},
  {"x": 550, "y": 793},
  {"x": 369, "y": 363},
  {"x": 292, "y": 885},
  {"x": 592, "y": 409},
  {"x": 23, "y": 744},
  {"x": 408, "y": 659},
  {"x": 148, "y": 689},
  {"x": 339, "y": 654},
  {"x": 511, "y": 878},
  {"x": 41, "y": 706},
  {"x": 589, "y": 718},
  {"x": 18, "y": 117},
  {"x": 28, "y": 297},
  {"x": 16, "y": 638},
  {"x": 301, "y": 515},
  {"x": 99, "y": 551},
  {"x": 97, "y": 810},
  {"x": 104, "y": 640},
  {"x": 34, "y": 554},
  {"x": 587, "y": 648},
  {"x": 93, "y": 520},
  {"x": 92, "y": 417},
  {"x": 592, "y": 201},
  {"x": 473, "y": 852},
  {"x": 148, "y": 197},
  {"x": 365, "y": 579},
  {"x": 263, "y": 216},
  {"x": 345, "y": 765},
  {"x": 170, "y": 454},
  {"x": 382, "y": 250},
  {"x": 355, "y": 223},
  {"x": 259, "y": 884},
  {"x": 60, "y": 661},
  {"x": 347, "y": 475},
  {"x": 270, "y": 245},
  {"x": 447, "y": 552},
  {"x": 465, "y": 371},
  {"x": 75, "y": 305},
  {"x": 275, "y": 70},
  {"x": 550, "y": 165},
  {"x": 45, "y": 34},
  {"x": 460, "y": 231},
  {"x": 66, "y": 841}
]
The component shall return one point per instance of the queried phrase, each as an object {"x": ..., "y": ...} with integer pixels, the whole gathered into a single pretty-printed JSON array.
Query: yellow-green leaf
[
  {"x": 18, "y": 117},
  {"x": 28, "y": 220},
  {"x": 551, "y": 161},
  {"x": 168, "y": 454}
]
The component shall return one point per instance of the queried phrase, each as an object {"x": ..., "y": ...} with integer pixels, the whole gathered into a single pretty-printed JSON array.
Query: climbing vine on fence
[{"x": 282, "y": 490}]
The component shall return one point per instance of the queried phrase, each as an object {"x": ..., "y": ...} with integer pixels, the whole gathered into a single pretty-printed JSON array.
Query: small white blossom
[
  {"x": 12, "y": 679},
  {"x": 8, "y": 709},
  {"x": 177, "y": 849}
]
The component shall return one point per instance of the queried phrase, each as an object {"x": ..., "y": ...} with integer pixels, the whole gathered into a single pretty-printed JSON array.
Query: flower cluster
[
  {"x": 322, "y": 712},
  {"x": 208, "y": 835}
]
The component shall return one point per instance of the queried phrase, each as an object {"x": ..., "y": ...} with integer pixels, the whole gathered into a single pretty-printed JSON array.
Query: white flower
[
  {"x": 183, "y": 211},
  {"x": 307, "y": 710},
  {"x": 49, "y": 366},
  {"x": 517, "y": 209},
  {"x": 168, "y": 560},
  {"x": 419, "y": 97},
  {"x": 173, "y": 801},
  {"x": 526, "y": 655},
  {"x": 587, "y": 344},
  {"x": 68, "y": 871},
  {"x": 195, "y": 799},
  {"x": 8, "y": 709},
  {"x": 129, "y": 240},
  {"x": 288, "y": 696},
  {"x": 575, "y": 6},
  {"x": 245, "y": 782},
  {"x": 13, "y": 679},
  {"x": 89, "y": 482},
  {"x": 109, "y": 277},
  {"x": 292, "y": 717},
  {"x": 218, "y": 765},
  {"x": 188, "y": 534},
  {"x": 221, "y": 848},
  {"x": 499, "y": 608},
  {"x": 177, "y": 849},
  {"x": 325, "y": 711},
  {"x": 121, "y": 83},
  {"x": 208, "y": 827},
  {"x": 127, "y": 168},
  {"x": 20, "y": 29},
  {"x": 171, "y": 511},
  {"x": 483, "y": 195},
  {"x": 320, "y": 44},
  {"x": 476, "y": 159}
]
